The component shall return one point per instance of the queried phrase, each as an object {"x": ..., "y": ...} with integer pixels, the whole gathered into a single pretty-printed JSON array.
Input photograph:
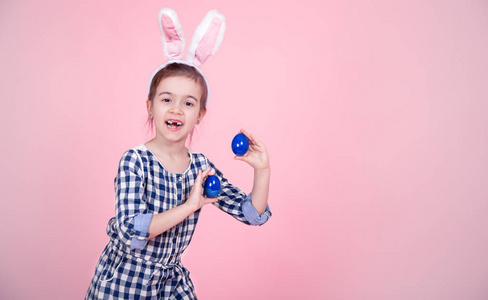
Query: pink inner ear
[
  {"x": 173, "y": 40},
  {"x": 207, "y": 43}
]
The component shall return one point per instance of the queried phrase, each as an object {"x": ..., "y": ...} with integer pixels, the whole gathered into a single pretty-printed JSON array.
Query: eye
[
  {"x": 166, "y": 100},
  {"x": 190, "y": 104}
]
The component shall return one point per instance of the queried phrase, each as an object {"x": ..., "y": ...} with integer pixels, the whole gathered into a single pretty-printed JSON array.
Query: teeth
[{"x": 173, "y": 124}]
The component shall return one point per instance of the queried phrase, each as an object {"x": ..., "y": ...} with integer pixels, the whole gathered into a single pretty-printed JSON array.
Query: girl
[{"x": 158, "y": 192}]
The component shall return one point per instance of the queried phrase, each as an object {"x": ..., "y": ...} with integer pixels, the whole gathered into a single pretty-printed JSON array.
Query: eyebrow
[{"x": 188, "y": 96}]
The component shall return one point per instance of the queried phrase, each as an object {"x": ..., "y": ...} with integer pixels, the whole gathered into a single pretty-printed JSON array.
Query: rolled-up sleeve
[
  {"x": 141, "y": 224},
  {"x": 131, "y": 211},
  {"x": 252, "y": 214},
  {"x": 236, "y": 203}
]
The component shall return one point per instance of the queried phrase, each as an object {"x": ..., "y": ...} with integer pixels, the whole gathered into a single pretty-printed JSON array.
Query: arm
[
  {"x": 257, "y": 157},
  {"x": 251, "y": 209},
  {"x": 166, "y": 220},
  {"x": 135, "y": 224},
  {"x": 260, "y": 189},
  {"x": 130, "y": 202}
]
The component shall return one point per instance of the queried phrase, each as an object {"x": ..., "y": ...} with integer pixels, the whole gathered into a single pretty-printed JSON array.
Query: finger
[
  {"x": 198, "y": 183},
  {"x": 252, "y": 144},
  {"x": 253, "y": 141},
  {"x": 206, "y": 172},
  {"x": 211, "y": 200},
  {"x": 242, "y": 158},
  {"x": 256, "y": 141},
  {"x": 199, "y": 176},
  {"x": 247, "y": 134},
  {"x": 210, "y": 171}
]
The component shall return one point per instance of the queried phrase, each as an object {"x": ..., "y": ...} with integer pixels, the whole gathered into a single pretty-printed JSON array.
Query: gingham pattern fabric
[{"x": 143, "y": 186}]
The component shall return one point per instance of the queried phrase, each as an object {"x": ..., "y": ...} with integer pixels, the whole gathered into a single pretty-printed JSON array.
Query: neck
[{"x": 169, "y": 148}]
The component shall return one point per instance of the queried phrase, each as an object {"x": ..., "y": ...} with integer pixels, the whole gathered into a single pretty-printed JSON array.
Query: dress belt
[
  {"x": 178, "y": 269},
  {"x": 159, "y": 267}
]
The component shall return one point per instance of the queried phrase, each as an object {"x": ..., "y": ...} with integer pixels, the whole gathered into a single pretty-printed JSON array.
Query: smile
[{"x": 174, "y": 124}]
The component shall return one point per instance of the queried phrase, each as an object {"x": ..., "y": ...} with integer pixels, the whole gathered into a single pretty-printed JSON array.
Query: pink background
[{"x": 374, "y": 114}]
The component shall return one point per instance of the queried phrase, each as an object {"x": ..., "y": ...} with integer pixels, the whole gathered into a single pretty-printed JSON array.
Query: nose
[{"x": 176, "y": 109}]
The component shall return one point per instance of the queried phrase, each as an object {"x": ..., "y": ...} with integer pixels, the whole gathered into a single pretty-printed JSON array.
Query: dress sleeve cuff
[
  {"x": 252, "y": 214},
  {"x": 141, "y": 226}
]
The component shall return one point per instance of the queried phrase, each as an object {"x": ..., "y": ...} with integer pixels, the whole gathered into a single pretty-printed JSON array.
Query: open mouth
[{"x": 173, "y": 124}]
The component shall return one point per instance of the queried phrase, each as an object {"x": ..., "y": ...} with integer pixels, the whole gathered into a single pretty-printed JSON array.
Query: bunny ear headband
[{"x": 206, "y": 40}]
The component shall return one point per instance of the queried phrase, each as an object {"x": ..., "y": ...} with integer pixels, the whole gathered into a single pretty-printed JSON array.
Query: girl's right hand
[{"x": 196, "y": 200}]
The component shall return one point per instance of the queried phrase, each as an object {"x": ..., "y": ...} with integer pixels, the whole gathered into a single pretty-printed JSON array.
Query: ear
[
  {"x": 207, "y": 38},
  {"x": 171, "y": 34},
  {"x": 149, "y": 106},
  {"x": 201, "y": 114}
]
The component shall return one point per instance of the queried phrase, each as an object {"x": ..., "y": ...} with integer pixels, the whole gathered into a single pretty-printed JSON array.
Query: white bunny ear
[
  {"x": 207, "y": 38},
  {"x": 171, "y": 34}
]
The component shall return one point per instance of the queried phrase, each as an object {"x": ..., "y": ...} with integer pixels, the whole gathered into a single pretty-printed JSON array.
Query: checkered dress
[{"x": 153, "y": 271}]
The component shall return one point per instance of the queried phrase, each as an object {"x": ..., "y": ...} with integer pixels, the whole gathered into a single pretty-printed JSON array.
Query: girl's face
[{"x": 176, "y": 108}]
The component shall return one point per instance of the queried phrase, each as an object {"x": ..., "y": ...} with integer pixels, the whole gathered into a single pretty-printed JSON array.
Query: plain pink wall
[{"x": 374, "y": 114}]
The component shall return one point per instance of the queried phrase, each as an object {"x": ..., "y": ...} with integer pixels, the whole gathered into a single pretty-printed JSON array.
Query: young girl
[{"x": 158, "y": 192}]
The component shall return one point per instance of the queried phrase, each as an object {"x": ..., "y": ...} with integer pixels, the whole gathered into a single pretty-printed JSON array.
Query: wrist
[
  {"x": 190, "y": 208},
  {"x": 264, "y": 170}
]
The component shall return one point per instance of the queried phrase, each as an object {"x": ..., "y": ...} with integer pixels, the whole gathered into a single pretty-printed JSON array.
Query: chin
[{"x": 172, "y": 137}]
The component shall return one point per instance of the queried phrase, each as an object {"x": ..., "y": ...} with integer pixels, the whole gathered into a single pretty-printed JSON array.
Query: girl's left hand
[{"x": 257, "y": 156}]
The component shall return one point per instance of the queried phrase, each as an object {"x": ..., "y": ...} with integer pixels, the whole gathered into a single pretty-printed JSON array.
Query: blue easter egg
[
  {"x": 211, "y": 186},
  {"x": 240, "y": 144}
]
